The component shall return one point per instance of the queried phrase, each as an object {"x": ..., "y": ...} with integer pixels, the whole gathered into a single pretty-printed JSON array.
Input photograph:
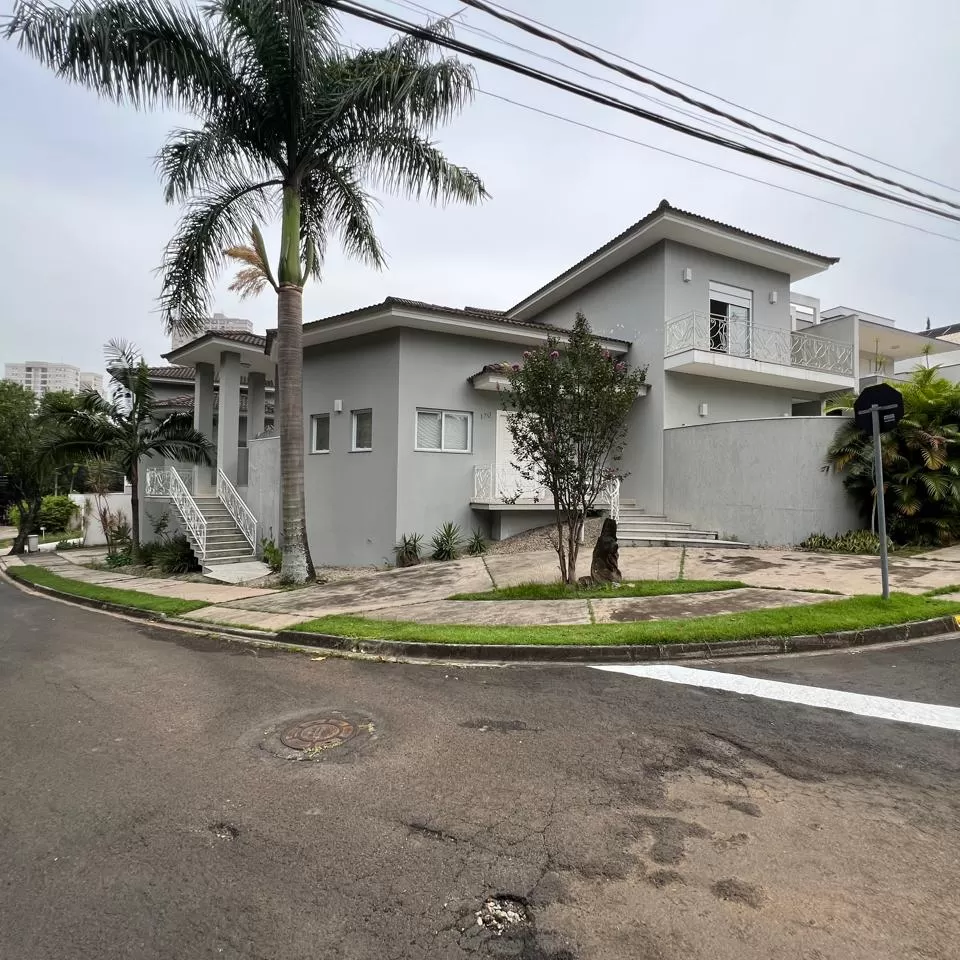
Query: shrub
[
  {"x": 477, "y": 545},
  {"x": 272, "y": 555},
  {"x": 447, "y": 542},
  {"x": 407, "y": 551},
  {"x": 175, "y": 555},
  {"x": 853, "y": 541},
  {"x": 149, "y": 551},
  {"x": 120, "y": 558},
  {"x": 55, "y": 515}
]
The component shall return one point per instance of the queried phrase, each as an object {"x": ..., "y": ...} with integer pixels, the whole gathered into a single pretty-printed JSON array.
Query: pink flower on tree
[
  {"x": 514, "y": 366},
  {"x": 554, "y": 354}
]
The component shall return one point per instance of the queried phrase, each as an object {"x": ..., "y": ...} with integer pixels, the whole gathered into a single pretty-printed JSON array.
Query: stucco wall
[
  {"x": 725, "y": 399},
  {"x": 628, "y": 303},
  {"x": 694, "y": 296},
  {"x": 756, "y": 480},
  {"x": 262, "y": 495},
  {"x": 352, "y": 496},
  {"x": 434, "y": 487},
  {"x": 92, "y": 528}
]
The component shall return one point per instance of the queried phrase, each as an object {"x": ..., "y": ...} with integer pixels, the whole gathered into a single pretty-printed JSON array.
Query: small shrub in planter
[
  {"x": 272, "y": 555},
  {"x": 407, "y": 551},
  {"x": 477, "y": 545},
  {"x": 853, "y": 541},
  {"x": 149, "y": 551},
  {"x": 120, "y": 558},
  {"x": 175, "y": 555},
  {"x": 447, "y": 542}
]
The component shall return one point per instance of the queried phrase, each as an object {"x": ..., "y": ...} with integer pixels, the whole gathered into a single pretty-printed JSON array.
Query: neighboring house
[
  {"x": 948, "y": 362},
  {"x": 218, "y": 323},
  {"x": 43, "y": 377},
  {"x": 405, "y": 427}
]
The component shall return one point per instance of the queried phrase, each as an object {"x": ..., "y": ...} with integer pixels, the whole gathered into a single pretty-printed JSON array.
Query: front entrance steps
[{"x": 639, "y": 529}]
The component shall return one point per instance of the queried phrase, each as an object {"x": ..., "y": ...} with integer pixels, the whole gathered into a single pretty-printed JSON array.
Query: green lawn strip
[
  {"x": 172, "y": 606},
  {"x": 939, "y": 591},
  {"x": 629, "y": 588},
  {"x": 852, "y": 613}
]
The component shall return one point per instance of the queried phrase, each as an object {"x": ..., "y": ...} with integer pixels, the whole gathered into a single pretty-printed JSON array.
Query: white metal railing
[
  {"x": 503, "y": 483},
  {"x": 611, "y": 494},
  {"x": 167, "y": 482},
  {"x": 243, "y": 517},
  {"x": 743, "y": 338}
]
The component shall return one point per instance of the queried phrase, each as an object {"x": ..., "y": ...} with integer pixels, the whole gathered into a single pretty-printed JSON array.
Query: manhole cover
[
  {"x": 318, "y": 733},
  {"x": 324, "y": 734}
]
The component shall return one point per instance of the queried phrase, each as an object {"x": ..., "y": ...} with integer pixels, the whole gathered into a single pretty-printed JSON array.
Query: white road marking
[{"x": 903, "y": 711}]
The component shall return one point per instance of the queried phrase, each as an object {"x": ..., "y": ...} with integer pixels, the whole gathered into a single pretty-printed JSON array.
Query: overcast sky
[{"x": 84, "y": 223}]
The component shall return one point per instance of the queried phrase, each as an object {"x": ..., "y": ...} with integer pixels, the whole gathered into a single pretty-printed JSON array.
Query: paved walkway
[{"x": 775, "y": 579}]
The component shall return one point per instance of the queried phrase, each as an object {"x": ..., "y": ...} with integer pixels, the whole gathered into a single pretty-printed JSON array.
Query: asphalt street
[{"x": 146, "y": 810}]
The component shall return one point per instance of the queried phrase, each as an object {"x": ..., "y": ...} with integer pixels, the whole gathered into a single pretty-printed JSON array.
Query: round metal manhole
[{"x": 322, "y": 735}]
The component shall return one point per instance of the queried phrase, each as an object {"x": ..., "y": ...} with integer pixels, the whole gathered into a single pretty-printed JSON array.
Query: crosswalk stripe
[{"x": 903, "y": 711}]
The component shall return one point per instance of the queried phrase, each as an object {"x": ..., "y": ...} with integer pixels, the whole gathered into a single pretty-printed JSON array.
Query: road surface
[{"x": 145, "y": 810}]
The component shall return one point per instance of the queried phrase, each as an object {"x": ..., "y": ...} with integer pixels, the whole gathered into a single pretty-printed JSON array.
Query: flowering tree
[{"x": 569, "y": 425}]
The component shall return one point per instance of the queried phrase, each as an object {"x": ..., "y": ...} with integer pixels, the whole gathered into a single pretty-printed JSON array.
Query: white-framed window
[
  {"x": 447, "y": 431},
  {"x": 320, "y": 433},
  {"x": 362, "y": 430}
]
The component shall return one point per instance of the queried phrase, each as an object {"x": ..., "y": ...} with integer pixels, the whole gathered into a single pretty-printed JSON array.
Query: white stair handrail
[
  {"x": 192, "y": 516},
  {"x": 241, "y": 513},
  {"x": 613, "y": 498}
]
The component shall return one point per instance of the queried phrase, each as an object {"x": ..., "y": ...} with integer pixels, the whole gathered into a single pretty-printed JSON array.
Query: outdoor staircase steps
[
  {"x": 636, "y": 528},
  {"x": 225, "y": 540}
]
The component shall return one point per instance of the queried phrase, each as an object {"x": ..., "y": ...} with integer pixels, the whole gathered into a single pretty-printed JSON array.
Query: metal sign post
[
  {"x": 881, "y": 509},
  {"x": 878, "y": 409}
]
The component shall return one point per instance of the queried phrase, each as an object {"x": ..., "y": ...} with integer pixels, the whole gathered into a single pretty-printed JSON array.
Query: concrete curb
[
  {"x": 303, "y": 642},
  {"x": 513, "y": 653}
]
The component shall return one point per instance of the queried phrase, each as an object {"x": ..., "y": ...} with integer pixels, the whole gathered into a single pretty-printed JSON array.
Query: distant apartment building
[
  {"x": 42, "y": 377},
  {"x": 218, "y": 323}
]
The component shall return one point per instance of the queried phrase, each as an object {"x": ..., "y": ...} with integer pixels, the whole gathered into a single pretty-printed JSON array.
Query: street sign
[
  {"x": 879, "y": 409},
  {"x": 889, "y": 403}
]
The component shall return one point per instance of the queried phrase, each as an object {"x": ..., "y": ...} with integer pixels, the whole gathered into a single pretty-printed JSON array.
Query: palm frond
[
  {"x": 213, "y": 222},
  {"x": 146, "y": 52}
]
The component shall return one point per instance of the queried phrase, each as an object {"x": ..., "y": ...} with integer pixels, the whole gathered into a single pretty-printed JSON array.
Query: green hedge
[{"x": 56, "y": 514}]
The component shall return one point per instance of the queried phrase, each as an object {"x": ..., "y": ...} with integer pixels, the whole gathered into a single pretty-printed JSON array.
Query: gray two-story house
[{"x": 405, "y": 426}]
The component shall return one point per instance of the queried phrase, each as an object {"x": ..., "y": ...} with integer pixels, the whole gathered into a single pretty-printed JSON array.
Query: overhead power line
[
  {"x": 396, "y": 23},
  {"x": 581, "y": 51},
  {"x": 739, "y": 106},
  {"x": 714, "y": 166},
  {"x": 480, "y": 31}
]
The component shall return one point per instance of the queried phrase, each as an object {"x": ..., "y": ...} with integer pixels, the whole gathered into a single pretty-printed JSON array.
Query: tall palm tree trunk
[
  {"x": 134, "y": 513},
  {"x": 297, "y": 564}
]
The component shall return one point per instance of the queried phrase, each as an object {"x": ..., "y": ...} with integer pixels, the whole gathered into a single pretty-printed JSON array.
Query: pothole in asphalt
[
  {"x": 225, "y": 831},
  {"x": 317, "y": 736},
  {"x": 502, "y": 913}
]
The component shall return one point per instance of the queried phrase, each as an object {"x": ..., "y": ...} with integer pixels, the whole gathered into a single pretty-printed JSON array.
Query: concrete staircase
[
  {"x": 225, "y": 542},
  {"x": 640, "y": 529}
]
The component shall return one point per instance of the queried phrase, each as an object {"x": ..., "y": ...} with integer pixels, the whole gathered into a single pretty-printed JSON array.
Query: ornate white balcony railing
[
  {"x": 742, "y": 338},
  {"x": 167, "y": 482},
  {"x": 245, "y": 520},
  {"x": 503, "y": 483}
]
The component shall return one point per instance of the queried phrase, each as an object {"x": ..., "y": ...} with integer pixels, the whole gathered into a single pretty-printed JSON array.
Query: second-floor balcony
[{"x": 738, "y": 349}]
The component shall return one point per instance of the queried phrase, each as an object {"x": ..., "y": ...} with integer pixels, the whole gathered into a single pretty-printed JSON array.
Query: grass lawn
[
  {"x": 172, "y": 606},
  {"x": 851, "y": 613},
  {"x": 629, "y": 588},
  {"x": 48, "y": 537}
]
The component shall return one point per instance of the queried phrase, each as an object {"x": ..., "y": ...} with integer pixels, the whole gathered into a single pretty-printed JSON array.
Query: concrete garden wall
[
  {"x": 759, "y": 481},
  {"x": 92, "y": 530}
]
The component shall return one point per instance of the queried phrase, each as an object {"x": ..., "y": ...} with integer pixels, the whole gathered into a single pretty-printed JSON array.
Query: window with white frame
[
  {"x": 320, "y": 433},
  {"x": 362, "y": 430},
  {"x": 449, "y": 431}
]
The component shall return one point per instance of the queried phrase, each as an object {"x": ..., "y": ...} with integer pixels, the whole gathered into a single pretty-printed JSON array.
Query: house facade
[{"x": 404, "y": 421}]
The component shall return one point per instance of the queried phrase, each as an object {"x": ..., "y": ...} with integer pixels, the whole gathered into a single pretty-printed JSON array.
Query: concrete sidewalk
[{"x": 775, "y": 578}]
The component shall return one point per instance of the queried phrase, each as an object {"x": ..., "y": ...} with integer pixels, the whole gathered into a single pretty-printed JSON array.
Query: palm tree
[
  {"x": 255, "y": 275},
  {"x": 289, "y": 122},
  {"x": 125, "y": 428},
  {"x": 921, "y": 461}
]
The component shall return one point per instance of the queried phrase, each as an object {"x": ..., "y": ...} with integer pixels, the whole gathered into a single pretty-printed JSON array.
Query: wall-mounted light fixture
[
  {"x": 338, "y": 406},
  {"x": 774, "y": 296},
  {"x": 687, "y": 274},
  {"x": 703, "y": 409}
]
